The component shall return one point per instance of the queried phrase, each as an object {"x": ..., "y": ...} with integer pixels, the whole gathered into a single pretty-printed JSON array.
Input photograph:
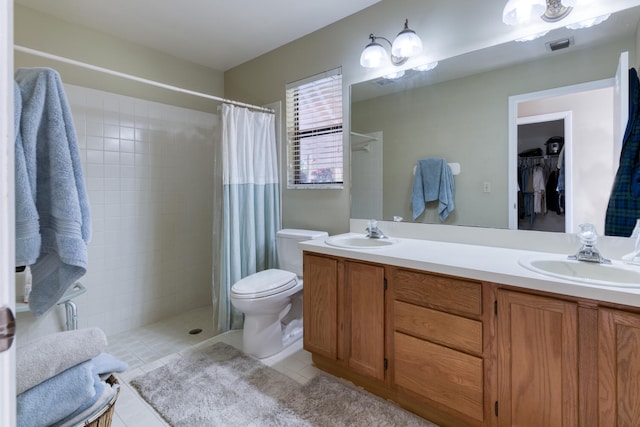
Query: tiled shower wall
[{"x": 148, "y": 168}]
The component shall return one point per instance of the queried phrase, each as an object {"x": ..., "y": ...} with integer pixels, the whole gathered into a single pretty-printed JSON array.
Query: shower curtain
[{"x": 250, "y": 205}]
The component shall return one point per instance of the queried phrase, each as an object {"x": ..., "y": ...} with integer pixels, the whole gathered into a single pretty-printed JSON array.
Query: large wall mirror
[{"x": 460, "y": 111}]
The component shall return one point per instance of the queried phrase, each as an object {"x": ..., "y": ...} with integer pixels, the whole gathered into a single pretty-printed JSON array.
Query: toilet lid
[{"x": 264, "y": 283}]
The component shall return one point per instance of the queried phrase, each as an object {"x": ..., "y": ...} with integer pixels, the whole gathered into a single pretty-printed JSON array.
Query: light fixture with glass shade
[
  {"x": 520, "y": 12},
  {"x": 405, "y": 45},
  {"x": 558, "y": 9},
  {"x": 523, "y": 12}
]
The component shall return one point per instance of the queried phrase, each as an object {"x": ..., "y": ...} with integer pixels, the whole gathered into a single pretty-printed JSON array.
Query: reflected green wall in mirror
[{"x": 465, "y": 120}]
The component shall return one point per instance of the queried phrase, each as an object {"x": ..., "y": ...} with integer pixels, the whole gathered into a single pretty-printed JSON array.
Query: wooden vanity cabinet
[
  {"x": 365, "y": 313},
  {"x": 442, "y": 356},
  {"x": 537, "y": 360},
  {"x": 618, "y": 367},
  {"x": 322, "y": 282},
  {"x": 461, "y": 352},
  {"x": 344, "y": 316}
]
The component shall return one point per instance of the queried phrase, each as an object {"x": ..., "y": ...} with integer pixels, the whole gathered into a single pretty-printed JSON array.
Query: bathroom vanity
[{"x": 463, "y": 335}]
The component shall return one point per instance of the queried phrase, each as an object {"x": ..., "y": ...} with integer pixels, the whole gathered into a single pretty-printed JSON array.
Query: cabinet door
[
  {"x": 320, "y": 305},
  {"x": 537, "y": 359},
  {"x": 365, "y": 317},
  {"x": 619, "y": 368}
]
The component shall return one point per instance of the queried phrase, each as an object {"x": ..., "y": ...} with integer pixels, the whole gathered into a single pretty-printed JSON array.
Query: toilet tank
[{"x": 289, "y": 253}]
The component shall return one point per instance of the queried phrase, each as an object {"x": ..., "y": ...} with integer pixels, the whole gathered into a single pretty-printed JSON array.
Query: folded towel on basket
[
  {"x": 104, "y": 365},
  {"x": 433, "y": 180},
  {"x": 47, "y": 356},
  {"x": 57, "y": 397},
  {"x": 101, "y": 401},
  {"x": 49, "y": 176},
  {"x": 67, "y": 394}
]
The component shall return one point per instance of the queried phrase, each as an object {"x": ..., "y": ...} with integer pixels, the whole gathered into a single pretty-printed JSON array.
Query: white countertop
[{"x": 486, "y": 263}]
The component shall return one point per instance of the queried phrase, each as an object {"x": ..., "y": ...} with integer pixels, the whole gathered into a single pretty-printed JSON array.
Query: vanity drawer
[
  {"x": 439, "y": 374},
  {"x": 444, "y": 328},
  {"x": 430, "y": 290}
]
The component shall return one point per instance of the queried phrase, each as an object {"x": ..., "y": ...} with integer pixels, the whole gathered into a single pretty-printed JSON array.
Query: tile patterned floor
[{"x": 149, "y": 347}]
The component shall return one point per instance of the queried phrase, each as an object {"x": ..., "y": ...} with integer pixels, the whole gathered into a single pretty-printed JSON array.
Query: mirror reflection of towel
[{"x": 433, "y": 180}]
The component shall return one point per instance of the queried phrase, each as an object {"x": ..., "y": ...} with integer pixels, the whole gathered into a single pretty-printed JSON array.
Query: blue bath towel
[
  {"x": 103, "y": 365},
  {"x": 66, "y": 394},
  {"x": 52, "y": 178},
  {"x": 101, "y": 401},
  {"x": 27, "y": 223},
  {"x": 433, "y": 180},
  {"x": 56, "y": 398}
]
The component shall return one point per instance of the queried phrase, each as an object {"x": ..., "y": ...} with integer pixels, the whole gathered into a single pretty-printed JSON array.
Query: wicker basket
[{"x": 105, "y": 415}]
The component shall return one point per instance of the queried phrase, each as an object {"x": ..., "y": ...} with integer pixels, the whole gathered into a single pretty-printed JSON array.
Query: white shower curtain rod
[{"x": 135, "y": 78}]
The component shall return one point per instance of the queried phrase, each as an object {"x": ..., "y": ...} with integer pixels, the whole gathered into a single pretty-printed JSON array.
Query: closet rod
[{"x": 135, "y": 78}]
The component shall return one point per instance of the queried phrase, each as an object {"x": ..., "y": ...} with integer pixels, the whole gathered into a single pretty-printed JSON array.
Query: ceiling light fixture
[
  {"x": 519, "y": 12},
  {"x": 558, "y": 9},
  {"x": 406, "y": 44}
]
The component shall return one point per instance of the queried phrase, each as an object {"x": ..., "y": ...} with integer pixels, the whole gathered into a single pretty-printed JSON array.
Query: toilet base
[
  {"x": 261, "y": 339},
  {"x": 267, "y": 334}
]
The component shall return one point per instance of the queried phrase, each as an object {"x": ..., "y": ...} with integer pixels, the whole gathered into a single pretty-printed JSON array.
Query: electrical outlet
[{"x": 486, "y": 187}]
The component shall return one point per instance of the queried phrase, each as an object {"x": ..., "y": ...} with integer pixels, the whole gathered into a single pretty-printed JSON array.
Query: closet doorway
[
  {"x": 592, "y": 145},
  {"x": 541, "y": 195}
]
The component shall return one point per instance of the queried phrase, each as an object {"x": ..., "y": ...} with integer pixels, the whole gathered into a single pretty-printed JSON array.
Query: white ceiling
[{"x": 220, "y": 34}]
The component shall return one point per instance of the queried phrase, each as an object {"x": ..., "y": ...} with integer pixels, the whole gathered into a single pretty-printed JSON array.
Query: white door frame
[
  {"x": 514, "y": 101},
  {"x": 7, "y": 211},
  {"x": 566, "y": 116}
]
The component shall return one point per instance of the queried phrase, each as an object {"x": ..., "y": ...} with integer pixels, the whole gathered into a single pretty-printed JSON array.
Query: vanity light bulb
[
  {"x": 518, "y": 12},
  {"x": 406, "y": 45},
  {"x": 374, "y": 56}
]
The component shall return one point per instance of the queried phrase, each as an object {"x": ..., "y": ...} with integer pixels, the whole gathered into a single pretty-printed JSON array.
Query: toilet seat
[{"x": 264, "y": 283}]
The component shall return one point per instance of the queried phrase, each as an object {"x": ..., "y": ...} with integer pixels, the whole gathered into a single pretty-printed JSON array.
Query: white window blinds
[{"x": 314, "y": 131}]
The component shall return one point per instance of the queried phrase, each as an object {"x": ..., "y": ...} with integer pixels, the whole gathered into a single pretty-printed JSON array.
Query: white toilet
[{"x": 271, "y": 300}]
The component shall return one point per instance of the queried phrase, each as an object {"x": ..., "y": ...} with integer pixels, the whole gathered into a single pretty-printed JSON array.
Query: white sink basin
[
  {"x": 614, "y": 274},
  {"x": 359, "y": 242}
]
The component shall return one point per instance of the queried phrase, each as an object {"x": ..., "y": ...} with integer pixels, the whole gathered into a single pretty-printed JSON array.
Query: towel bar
[
  {"x": 455, "y": 168},
  {"x": 71, "y": 310}
]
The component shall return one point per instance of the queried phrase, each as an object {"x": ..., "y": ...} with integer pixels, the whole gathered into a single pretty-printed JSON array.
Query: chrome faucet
[
  {"x": 588, "y": 252},
  {"x": 373, "y": 232}
]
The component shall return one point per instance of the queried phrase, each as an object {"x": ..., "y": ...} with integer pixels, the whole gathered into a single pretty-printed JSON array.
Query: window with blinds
[{"x": 314, "y": 131}]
